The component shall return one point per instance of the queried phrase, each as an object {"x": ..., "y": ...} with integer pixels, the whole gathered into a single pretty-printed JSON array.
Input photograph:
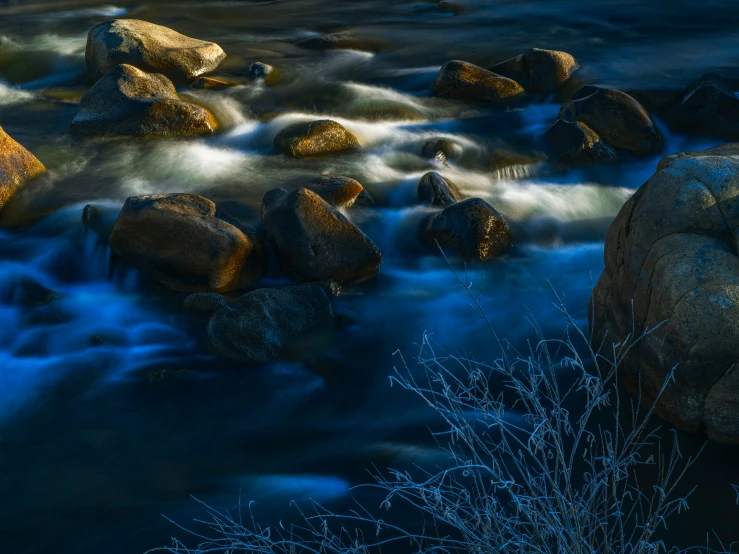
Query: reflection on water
[{"x": 111, "y": 413}]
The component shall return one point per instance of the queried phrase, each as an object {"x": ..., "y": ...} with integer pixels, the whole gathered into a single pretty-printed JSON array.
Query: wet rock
[
  {"x": 472, "y": 229},
  {"x": 315, "y": 138},
  {"x": 616, "y": 117},
  {"x": 707, "y": 106},
  {"x": 257, "y": 326},
  {"x": 211, "y": 83},
  {"x": 129, "y": 102},
  {"x": 345, "y": 40},
  {"x": 450, "y": 150},
  {"x": 537, "y": 70},
  {"x": 259, "y": 70},
  {"x": 339, "y": 191},
  {"x": 205, "y": 302},
  {"x": 437, "y": 191},
  {"x": 671, "y": 261},
  {"x": 100, "y": 220},
  {"x": 574, "y": 143},
  {"x": 17, "y": 166},
  {"x": 464, "y": 81},
  {"x": 151, "y": 48},
  {"x": 32, "y": 294},
  {"x": 315, "y": 242},
  {"x": 179, "y": 237}
]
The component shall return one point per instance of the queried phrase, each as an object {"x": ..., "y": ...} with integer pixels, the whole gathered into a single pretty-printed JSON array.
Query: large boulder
[
  {"x": 315, "y": 242},
  {"x": 150, "y": 47},
  {"x": 614, "y": 115},
  {"x": 129, "y": 102},
  {"x": 181, "y": 239},
  {"x": 437, "y": 191},
  {"x": 257, "y": 326},
  {"x": 464, "y": 81},
  {"x": 707, "y": 106},
  {"x": 17, "y": 165},
  {"x": 472, "y": 229},
  {"x": 537, "y": 70},
  {"x": 315, "y": 138},
  {"x": 671, "y": 262},
  {"x": 574, "y": 143}
]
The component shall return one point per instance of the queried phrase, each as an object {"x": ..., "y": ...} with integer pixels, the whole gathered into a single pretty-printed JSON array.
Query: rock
[
  {"x": 345, "y": 40},
  {"x": 453, "y": 6},
  {"x": 537, "y": 70},
  {"x": 151, "y": 48},
  {"x": 464, "y": 81},
  {"x": 472, "y": 229},
  {"x": 671, "y": 256},
  {"x": 256, "y": 326},
  {"x": 614, "y": 115},
  {"x": 259, "y": 70},
  {"x": 179, "y": 237},
  {"x": 339, "y": 191},
  {"x": 211, "y": 83},
  {"x": 315, "y": 138},
  {"x": 32, "y": 294},
  {"x": 450, "y": 150},
  {"x": 707, "y": 106},
  {"x": 574, "y": 143},
  {"x": 205, "y": 302},
  {"x": 129, "y": 102},
  {"x": 315, "y": 242},
  {"x": 437, "y": 191},
  {"x": 17, "y": 165},
  {"x": 100, "y": 219}
]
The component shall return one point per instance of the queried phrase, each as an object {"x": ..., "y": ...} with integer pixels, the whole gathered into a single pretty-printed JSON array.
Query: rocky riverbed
[{"x": 221, "y": 219}]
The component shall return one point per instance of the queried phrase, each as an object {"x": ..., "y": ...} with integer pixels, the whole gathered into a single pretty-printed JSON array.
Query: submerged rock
[
  {"x": 472, "y": 229},
  {"x": 17, "y": 165},
  {"x": 437, "y": 191},
  {"x": 315, "y": 242},
  {"x": 616, "y": 117},
  {"x": 574, "y": 143},
  {"x": 315, "y": 138},
  {"x": 345, "y": 40},
  {"x": 182, "y": 240},
  {"x": 129, "y": 102},
  {"x": 204, "y": 302},
  {"x": 708, "y": 106},
  {"x": 449, "y": 149},
  {"x": 32, "y": 294},
  {"x": 256, "y": 326},
  {"x": 537, "y": 70},
  {"x": 151, "y": 48},
  {"x": 339, "y": 191},
  {"x": 464, "y": 81},
  {"x": 671, "y": 263},
  {"x": 100, "y": 220},
  {"x": 259, "y": 70}
]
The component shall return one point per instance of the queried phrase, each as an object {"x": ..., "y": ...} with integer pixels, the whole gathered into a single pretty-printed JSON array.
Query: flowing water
[{"x": 111, "y": 413}]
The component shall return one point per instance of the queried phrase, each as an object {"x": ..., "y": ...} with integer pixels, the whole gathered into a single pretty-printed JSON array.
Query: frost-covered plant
[{"x": 543, "y": 459}]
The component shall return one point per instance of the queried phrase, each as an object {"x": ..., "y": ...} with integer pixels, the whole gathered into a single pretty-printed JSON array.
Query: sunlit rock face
[
  {"x": 315, "y": 138},
  {"x": 152, "y": 48},
  {"x": 538, "y": 70},
  {"x": 130, "y": 102},
  {"x": 17, "y": 165},
  {"x": 671, "y": 259}
]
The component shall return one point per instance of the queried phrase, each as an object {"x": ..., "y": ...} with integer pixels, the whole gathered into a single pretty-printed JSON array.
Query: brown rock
[
  {"x": 538, "y": 70},
  {"x": 315, "y": 138},
  {"x": 17, "y": 165},
  {"x": 464, "y": 81},
  {"x": 574, "y": 143},
  {"x": 437, "y": 191},
  {"x": 339, "y": 191}
]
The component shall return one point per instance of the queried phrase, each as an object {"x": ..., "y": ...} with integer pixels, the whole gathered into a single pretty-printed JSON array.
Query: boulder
[
  {"x": 181, "y": 239},
  {"x": 614, "y": 115},
  {"x": 537, "y": 70},
  {"x": 472, "y": 229},
  {"x": 204, "y": 302},
  {"x": 707, "y": 106},
  {"x": 344, "y": 40},
  {"x": 339, "y": 191},
  {"x": 129, "y": 102},
  {"x": 314, "y": 242},
  {"x": 315, "y": 138},
  {"x": 257, "y": 326},
  {"x": 574, "y": 143},
  {"x": 464, "y": 81},
  {"x": 17, "y": 165},
  {"x": 435, "y": 190},
  {"x": 151, "y": 48},
  {"x": 671, "y": 261}
]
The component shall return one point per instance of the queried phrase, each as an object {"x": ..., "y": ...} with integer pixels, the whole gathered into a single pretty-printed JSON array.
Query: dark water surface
[{"x": 111, "y": 413}]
